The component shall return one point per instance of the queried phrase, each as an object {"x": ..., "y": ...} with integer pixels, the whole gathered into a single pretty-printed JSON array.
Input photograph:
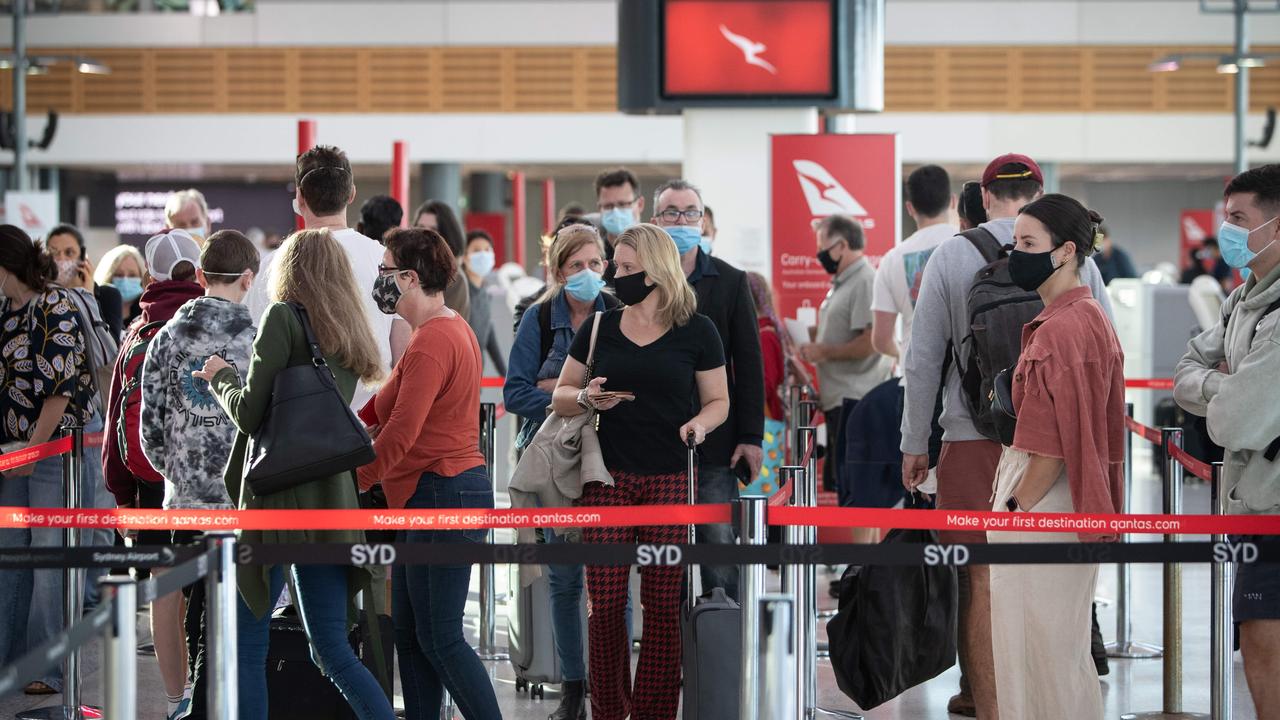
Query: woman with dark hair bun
[
  {"x": 426, "y": 425},
  {"x": 436, "y": 215},
  {"x": 45, "y": 385},
  {"x": 1068, "y": 394}
]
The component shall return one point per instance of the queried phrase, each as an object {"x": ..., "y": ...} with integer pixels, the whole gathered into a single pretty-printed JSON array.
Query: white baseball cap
[{"x": 168, "y": 249}]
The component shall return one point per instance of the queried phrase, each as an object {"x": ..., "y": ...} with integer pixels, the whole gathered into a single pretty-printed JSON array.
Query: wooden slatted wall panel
[
  {"x": 583, "y": 79},
  {"x": 257, "y": 81},
  {"x": 472, "y": 79},
  {"x": 404, "y": 80}
]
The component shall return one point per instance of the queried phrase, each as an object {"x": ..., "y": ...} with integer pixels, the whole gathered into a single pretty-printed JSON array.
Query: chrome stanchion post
[
  {"x": 1172, "y": 670},
  {"x": 793, "y": 585},
  {"x": 221, "y": 598},
  {"x": 1220, "y": 630},
  {"x": 488, "y": 631},
  {"x": 752, "y": 530},
  {"x": 72, "y": 586},
  {"x": 120, "y": 652},
  {"x": 806, "y": 495},
  {"x": 795, "y": 393},
  {"x": 776, "y": 665},
  {"x": 1124, "y": 646}
]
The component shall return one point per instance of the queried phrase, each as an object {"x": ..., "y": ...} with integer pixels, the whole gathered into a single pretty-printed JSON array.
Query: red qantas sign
[{"x": 747, "y": 47}]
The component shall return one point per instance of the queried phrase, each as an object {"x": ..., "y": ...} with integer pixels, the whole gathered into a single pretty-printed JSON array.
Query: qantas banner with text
[{"x": 813, "y": 176}]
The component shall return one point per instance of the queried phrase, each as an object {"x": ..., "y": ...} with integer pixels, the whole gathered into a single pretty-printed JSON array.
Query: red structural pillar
[
  {"x": 548, "y": 204},
  {"x": 518, "y": 216},
  {"x": 400, "y": 178},
  {"x": 306, "y": 141}
]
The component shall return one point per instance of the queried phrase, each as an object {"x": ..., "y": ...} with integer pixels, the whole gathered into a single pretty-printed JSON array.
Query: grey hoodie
[
  {"x": 185, "y": 434},
  {"x": 942, "y": 316},
  {"x": 1242, "y": 405}
]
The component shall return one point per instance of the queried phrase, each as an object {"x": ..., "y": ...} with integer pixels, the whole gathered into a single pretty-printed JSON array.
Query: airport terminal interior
[{"x": 801, "y": 129}]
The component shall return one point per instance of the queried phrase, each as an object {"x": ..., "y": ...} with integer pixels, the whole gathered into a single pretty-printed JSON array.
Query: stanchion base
[
  {"x": 1134, "y": 651},
  {"x": 846, "y": 714},
  {"x": 1157, "y": 715},
  {"x": 826, "y": 614},
  {"x": 494, "y": 657},
  {"x": 823, "y": 651},
  {"x": 61, "y": 712}
]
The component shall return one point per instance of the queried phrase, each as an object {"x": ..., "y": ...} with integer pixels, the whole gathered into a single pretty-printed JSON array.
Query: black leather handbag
[
  {"x": 309, "y": 431},
  {"x": 1002, "y": 412}
]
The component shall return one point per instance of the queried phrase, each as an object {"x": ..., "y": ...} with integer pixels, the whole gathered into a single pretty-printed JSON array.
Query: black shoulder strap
[
  {"x": 313, "y": 344},
  {"x": 984, "y": 242},
  {"x": 544, "y": 329},
  {"x": 610, "y": 302}
]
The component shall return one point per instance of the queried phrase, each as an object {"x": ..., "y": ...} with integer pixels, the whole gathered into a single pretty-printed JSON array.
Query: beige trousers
[{"x": 1040, "y": 618}]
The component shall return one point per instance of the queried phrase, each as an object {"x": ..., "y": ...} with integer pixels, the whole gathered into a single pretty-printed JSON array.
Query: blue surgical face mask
[
  {"x": 1233, "y": 243},
  {"x": 130, "y": 287},
  {"x": 705, "y": 244},
  {"x": 584, "y": 285},
  {"x": 687, "y": 237},
  {"x": 481, "y": 262},
  {"x": 617, "y": 220}
]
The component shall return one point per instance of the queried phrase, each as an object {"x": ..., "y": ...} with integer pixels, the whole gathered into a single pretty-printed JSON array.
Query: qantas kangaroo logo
[
  {"x": 825, "y": 194},
  {"x": 751, "y": 50}
]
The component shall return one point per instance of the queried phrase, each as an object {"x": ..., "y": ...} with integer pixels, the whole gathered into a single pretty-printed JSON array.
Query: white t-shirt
[
  {"x": 364, "y": 254},
  {"x": 898, "y": 277}
]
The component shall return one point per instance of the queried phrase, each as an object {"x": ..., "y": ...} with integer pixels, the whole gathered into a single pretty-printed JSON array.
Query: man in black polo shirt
[{"x": 723, "y": 296}]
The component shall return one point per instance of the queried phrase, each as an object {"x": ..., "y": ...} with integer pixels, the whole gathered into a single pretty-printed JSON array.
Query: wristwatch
[
  {"x": 1012, "y": 504},
  {"x": 582, "y": 400}
]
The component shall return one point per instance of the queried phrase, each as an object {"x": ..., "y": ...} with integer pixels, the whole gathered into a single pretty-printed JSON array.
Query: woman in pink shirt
[{"x": 1067, "y": 454}]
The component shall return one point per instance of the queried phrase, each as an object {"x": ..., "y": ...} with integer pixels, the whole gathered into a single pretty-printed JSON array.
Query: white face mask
[{"x": 297, "y": 210}]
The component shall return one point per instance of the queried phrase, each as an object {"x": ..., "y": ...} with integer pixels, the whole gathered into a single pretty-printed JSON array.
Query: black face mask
[
  {"x": 1031, "y": 270},
  {"x": 830, "y": 264},
  {"x": 631, "y": 289}
]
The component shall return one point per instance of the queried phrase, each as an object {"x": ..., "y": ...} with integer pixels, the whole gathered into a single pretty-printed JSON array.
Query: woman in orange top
[
  {"x": 426, "y": 424},
  {"x": 1067, "y": 454}
]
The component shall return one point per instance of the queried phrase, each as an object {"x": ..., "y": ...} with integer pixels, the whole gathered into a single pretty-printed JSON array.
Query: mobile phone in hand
[{"x": 742, "y": 469}]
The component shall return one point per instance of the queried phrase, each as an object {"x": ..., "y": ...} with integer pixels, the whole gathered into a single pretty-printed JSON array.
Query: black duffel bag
[{"x": 896, "y": 627}]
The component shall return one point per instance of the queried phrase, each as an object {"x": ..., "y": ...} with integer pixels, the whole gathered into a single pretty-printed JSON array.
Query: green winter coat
[{"x": 281, "y": 344}]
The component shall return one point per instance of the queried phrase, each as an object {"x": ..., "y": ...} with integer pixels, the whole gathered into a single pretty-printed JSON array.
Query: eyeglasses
[
  {"x": 595, "y": 265},
  {"x": 384, "y": 270},
  {"x": 624, "y": 205},
  {"x": 672, "y": 215}
]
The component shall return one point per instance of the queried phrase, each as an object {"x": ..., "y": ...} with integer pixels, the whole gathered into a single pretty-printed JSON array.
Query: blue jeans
[
  {"x": 322, "y": 606},
  {"x": 427, "y": 606},
  {"x": 31, "y": 600},
  {"x": 566, "y": 620},
  {"x": 717, "y": 484}
]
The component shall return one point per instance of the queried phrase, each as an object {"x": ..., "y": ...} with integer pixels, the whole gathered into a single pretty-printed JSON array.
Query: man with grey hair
[
  {"x": 187, "y": 210},
  {"x": 731, "y": 453}
]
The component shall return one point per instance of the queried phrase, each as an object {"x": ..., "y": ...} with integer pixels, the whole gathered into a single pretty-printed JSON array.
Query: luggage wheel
[
  {"x": 537, "y": 691},
  {"x": 521, "y": 685}
]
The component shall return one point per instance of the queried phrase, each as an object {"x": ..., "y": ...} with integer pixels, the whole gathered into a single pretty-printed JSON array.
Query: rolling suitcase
[
  {"x": 530, "y": 639},
  {"x": 711, "y": 633},
  {"x": 295, "y": 686}
]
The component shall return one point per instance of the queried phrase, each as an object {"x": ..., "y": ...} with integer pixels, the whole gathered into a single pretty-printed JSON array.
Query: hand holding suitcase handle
[{"x": 693, "y": 433}]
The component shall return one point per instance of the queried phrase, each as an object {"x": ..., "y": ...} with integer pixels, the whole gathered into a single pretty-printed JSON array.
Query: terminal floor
[{"x": 1132, "y": 686}]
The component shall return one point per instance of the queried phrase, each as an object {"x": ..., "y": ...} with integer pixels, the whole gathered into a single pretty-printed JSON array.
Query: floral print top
[{"x": 43, "y": 353}]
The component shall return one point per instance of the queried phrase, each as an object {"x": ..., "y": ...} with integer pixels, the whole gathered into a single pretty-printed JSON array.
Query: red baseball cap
[{"x": 1032, "y": 171}]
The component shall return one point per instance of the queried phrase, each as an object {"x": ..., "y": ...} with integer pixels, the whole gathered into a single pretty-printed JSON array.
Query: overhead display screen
[{"x": 748, "y": 49}]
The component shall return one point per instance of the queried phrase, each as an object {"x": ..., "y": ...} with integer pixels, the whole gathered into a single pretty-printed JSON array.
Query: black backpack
[{"x": 997, "y": 310}]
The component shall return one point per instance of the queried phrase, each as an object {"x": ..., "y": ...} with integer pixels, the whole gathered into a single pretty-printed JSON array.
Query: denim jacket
[{"x": 521, "y": 393}]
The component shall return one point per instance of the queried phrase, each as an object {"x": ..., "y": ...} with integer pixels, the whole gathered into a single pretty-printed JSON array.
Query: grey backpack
[{"x": 997, "y": 311}]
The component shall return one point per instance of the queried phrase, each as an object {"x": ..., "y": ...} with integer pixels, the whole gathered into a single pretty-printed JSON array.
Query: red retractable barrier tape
[
  {"x": 1196, "y": 467},
  {"x": 1151, "y": 435},
  {"x": 1149, "y": 383},
  {"x": 26, "y": 456},
  {"x": 632, "y": 516}
]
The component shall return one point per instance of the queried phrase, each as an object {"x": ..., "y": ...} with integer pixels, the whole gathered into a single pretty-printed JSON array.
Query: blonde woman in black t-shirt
[{"x": 666, "y": 357}]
